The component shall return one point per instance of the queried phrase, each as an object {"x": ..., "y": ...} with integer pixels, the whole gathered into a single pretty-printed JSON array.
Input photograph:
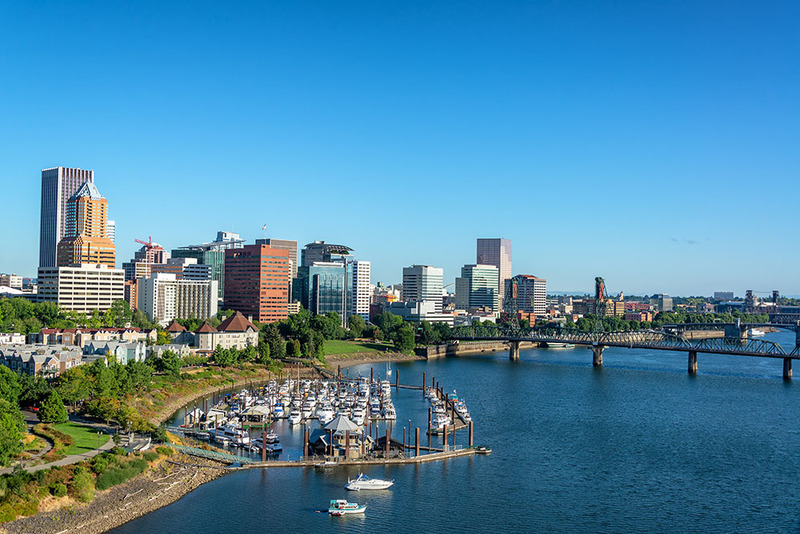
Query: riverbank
[
  {"x": 343, "y": 361},
  {"x": 159, "y": 486}
]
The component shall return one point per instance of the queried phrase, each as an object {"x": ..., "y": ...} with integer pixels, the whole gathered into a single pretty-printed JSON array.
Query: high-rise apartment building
[
  {"x": 184, "y": 269},
  {"x": 423, "y": 282},
  {"x": 58, "y": 185},
  {"x": 164, "y": 297},
  {"x": 497, "y": 252},
  {"x": 85, "y": 238},
  {"x": 255, "y": 282},
  {"x": 111, "y": 231},
  {"x": 359, "y": 304},
  {"x": 530, "y": 293},
  {"x": 477, "y": 287}
]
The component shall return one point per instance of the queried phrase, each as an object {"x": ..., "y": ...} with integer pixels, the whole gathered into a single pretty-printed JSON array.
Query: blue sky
[{"x": 654, "y": 144}]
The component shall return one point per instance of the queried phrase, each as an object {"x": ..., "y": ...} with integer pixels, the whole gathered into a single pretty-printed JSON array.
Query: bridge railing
[{"x": 639, "y": 339}]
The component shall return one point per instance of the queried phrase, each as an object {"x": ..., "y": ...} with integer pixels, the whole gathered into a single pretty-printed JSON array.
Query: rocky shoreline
[{"x": 158, "y": 487}]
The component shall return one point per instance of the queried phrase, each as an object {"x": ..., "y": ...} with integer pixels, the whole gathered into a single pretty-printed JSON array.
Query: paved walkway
[{"x": 32, "y": 420}]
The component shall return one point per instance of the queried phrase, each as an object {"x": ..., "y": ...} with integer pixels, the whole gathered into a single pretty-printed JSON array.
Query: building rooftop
[
  {"x": 236, "y": 323},
  {"x": 88, "y": 189}
]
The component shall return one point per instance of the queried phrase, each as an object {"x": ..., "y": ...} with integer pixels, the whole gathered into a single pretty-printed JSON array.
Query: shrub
[
  {"x": 99, "y": 465},
  {"x": 115, "y": 476},
  {"x": 83, "y": 486},
  {"x": 150, "y": 456},
  {"x": 166, "y": 451},
  {"x": 28, "y": 508},
  {"x": 7, "y": 513},
  {"x": 119, "y": 451},
  {"x": 59, "y": 489}
]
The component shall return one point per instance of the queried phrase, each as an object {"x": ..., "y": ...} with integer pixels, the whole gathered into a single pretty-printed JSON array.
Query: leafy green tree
[
  {"x": 249, "y": 354},
  {"x": 270, "y": 335},
  {"x": 34, "y": 389},
  {"x": 12, "y": 426},
  {"x": 263, "y": 353},
  {"x": 140, "y": 375},
  {"x": 388, "y": 323},
  {"x": 53, "y": 410},
  {"x": 428, "y": 335},
  {"x": 74, "y": 385},
  {"x": 170, "y": 363},
  {"x": 404, "y": 338},
  {"x": 356, "y": 325},
  {"x": 10, "y": 387}
]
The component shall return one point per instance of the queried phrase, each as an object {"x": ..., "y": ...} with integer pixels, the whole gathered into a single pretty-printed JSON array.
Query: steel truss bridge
[{"x": 645, "y": 339}]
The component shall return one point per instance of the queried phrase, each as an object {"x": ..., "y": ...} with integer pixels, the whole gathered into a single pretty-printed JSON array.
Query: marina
[{"x": 343, "y": 421}]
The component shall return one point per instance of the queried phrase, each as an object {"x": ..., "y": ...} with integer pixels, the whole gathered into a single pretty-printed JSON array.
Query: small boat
[
  {"x": 339, "y": 507},
  {"x": 483, "y": 450},
  {"x": 325, "y": 465},
  {"x": 363, "y": 482},
  {"x": 755, "y": 332}
]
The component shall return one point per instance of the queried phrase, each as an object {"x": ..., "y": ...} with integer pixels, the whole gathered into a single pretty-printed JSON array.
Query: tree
[
  {"x": 356, "y": 325},
  {"x": 12, "y": 426},
  {"x": 270, "y": 335},
  {"x": 404, "y": 339},
  {"x": 170, "y": 363},
  {"x": 10, "y": 387},
  {"x": 34, "y": 389},
  {"x": 74, "y": 385},
  {"x": 53, "y": 410},
  {"x": 263, "y": 353},
  {"x": 428, "y": 334}
]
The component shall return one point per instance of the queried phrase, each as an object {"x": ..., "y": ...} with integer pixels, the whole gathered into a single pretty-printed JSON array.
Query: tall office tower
[
  {"x": 477, "y": 287},
  {"x": 325, "y": 287},
  {"x": 226, "y": 240},
  {"x": 530, "y": 292},
  {"x": 58, "y": 185},
  {"x": 497, "y": 252},
  {"x": 255, "y": 282},
  {"x": 85, "y": 238},
  {"x": 111, "y": 231},
  {"x": 359, "y": 304},
  {"x": 320, "y": 251},
  {"x": 212, "y": 254},
  {"x": 423, "y": 282},
  {"x": 285, "y": 244}
]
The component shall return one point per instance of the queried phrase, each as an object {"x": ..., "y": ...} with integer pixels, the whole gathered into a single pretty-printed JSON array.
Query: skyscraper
[
  {"x": 477, "y": 287},
  {"x": 255, "y": 282},
  {"x": 58, "y": 185},
  {"x": 85, "y": 238},
  {"x": 423, "y": 282},
  {"x": 359, "y": 304},
  {"x": 497, "y": 252}
]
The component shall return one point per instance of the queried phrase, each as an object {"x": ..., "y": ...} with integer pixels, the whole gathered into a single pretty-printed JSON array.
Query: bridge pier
[
  {"x": 513, "y": 351},
  {"x": 597, "y": 355},
  {"x": 787, "y": 368},
  {"x": 692, "y": 362}
]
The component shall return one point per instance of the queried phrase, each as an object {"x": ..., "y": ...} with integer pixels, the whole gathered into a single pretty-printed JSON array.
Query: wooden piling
[
  {"x": 371, "y": 374},
  {"x": 404, "y": 438},
  {"x": 396, "y": 379},
  {"x": 346, "y": 444},
  {"x": 416, "y": 442},
  {"x": 424, "y": 383},
  {"x": 444, "y": 439},
  {"x": 388, "y": 439},
  {"x": 264, "y": 446},
  {"x": 470, "y": 433}
]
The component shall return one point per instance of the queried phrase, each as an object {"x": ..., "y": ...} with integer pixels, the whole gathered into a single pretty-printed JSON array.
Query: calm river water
[{"x": 635, "y": 446}]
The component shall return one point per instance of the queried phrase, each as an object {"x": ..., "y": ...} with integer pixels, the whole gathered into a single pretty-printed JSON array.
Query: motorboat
[
  {"x": 389, "y": 412},
  {"x": 339, "y": 507},
  {"x": 363, "y": 482},
  {"x": 232, "y": 434},
  {"x": 755, "y": 332},
  {"x": 295, "y": 417}
]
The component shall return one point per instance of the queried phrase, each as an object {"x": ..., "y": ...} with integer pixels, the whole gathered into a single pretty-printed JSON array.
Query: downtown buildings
[
  {"x": 497, "y": 252},
  {"x": 256, "y": 282},
  {"x": 79, "y": 273}
]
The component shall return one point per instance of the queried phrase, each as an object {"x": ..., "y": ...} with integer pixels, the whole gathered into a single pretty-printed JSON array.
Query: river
[{"x": 635, "y": 446}]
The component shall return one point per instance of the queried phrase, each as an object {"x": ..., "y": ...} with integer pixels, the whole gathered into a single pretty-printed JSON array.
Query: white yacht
[
  {"x": 389, "y": 411},
  {"x": 363, "y": 482},
  {"x": 358, "y": 416},
  {"x": 295, "y": 417},
  {"x": 232, "y": 434}
]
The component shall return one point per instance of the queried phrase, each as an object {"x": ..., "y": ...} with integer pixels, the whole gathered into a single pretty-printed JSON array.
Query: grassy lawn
[
  {"x": 338, "y": 347},
  {"x": 85, "y": 437}
]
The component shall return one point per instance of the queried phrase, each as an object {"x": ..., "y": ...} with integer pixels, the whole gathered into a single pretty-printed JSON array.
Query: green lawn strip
[
  {"x": 338, "y": 347},
  {"x": 85, "y": 437}
]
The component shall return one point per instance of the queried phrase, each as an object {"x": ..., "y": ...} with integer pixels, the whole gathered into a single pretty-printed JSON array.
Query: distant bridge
[{"x": 646, "y": 339}]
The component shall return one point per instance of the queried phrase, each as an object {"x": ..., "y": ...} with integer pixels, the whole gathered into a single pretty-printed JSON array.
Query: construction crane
[{"x": 149, "y": 243}]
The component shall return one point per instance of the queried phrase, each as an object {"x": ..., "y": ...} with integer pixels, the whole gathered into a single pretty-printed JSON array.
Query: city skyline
[{"x": 648, "y": 140}]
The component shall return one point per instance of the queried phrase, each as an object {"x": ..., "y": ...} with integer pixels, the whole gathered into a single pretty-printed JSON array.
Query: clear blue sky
[{"x": 656, "y": 144}]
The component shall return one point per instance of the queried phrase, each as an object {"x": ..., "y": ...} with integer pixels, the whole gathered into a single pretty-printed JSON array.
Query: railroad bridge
[{"x": 737, "y": 345}]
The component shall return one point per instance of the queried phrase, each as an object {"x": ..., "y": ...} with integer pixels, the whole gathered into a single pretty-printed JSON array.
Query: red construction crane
[{"x": 148, "y": 244}]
